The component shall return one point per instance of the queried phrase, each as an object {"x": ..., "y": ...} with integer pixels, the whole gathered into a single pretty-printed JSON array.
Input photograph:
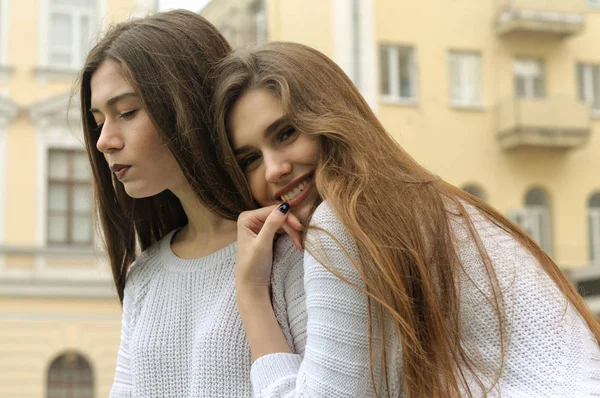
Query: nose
[
  {"x": 276, "y": 167},
  {"x": 110, "y": 139}
]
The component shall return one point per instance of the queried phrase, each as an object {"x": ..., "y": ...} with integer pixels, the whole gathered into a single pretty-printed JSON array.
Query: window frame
[
  {"x": 392, "y": 53},
  {"x": 71, "y": 183},
  {"x": 46, "y": 9},
  {"x": 523, "y": 63},
  {"x": 536, "y": 215},
  {"x": 460, "y": 56},
  {"x": 593, "y": 227},
  {"x": 585, "y": 82}
]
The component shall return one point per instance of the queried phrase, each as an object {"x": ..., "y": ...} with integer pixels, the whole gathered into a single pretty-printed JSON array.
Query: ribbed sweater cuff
[{"x": 272, "y": 368}]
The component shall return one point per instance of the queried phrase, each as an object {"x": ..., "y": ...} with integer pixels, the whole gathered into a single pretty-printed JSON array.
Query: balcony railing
[
  {"x": 560, "y": 18},
  {"x": 543, "y": 123}
]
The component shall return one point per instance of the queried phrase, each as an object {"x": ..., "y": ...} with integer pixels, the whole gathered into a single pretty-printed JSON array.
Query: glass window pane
[
  {"x": 81, "y": 198},
  {"x": 58, "y": 166},
  {"x": 596, "y": 87},
  {"x": 57, "y": 228},
  {"x": 581, "y": 81},
  {"x": 57, "y": 197},
  {"x": 84, "y": 27},
  {"x": 61, "y": 30},
  {"x": 81, "y": 166},
  {"x": 385, "y": 70},
  {"x": 82, "y": 229},
  {"x": 405, "y": 64},
  {"x": 455, "y": 83}
]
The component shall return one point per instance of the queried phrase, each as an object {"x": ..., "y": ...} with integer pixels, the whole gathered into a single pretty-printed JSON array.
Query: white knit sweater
[
  {"x": 550, "y": 351},
  {"x": 182, "y": 335}
]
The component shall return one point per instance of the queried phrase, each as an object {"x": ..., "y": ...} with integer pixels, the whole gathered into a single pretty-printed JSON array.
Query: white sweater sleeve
[
  {"x": 336, "y": 359},
  {"x": 123, "y": 384}
]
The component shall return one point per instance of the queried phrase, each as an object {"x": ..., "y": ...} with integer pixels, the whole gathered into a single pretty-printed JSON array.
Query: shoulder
[
  {"x": 146, "y": 264},
  {"x": 325, "y": 226}
]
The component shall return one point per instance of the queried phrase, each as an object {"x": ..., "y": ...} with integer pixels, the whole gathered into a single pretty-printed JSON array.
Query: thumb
[{"x": 274, "y": 222}]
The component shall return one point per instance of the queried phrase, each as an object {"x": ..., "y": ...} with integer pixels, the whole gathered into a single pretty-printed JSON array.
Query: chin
[{"x": 139, "y": 192}]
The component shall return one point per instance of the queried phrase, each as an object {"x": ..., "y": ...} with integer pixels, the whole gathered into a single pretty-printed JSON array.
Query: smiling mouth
[{"x": 295, "y": 192}]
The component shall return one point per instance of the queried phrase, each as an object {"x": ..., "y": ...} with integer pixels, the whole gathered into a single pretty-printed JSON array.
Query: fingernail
[{"x": 284, "y": 207}]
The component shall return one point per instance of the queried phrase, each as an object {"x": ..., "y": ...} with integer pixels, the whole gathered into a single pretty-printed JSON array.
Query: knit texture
[
  {"x": 550, "y": 352},
  {"x": 182, "y": 335}
]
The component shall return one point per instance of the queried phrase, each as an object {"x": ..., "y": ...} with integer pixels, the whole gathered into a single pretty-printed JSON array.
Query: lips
[{"x": 120, "y": 169}]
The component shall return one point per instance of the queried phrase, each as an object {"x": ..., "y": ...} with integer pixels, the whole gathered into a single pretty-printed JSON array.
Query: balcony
[
  {"x": 559, "y": 18},
  {"x": 542, "y": 123}
]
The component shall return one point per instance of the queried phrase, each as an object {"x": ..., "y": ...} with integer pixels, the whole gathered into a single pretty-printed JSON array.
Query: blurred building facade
[
  {"x": 59, "y": 315},
  {"x": 498, "y": 97}
]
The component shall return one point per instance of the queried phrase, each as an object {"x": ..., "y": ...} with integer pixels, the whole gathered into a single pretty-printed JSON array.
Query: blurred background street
[{"x": 499, "y": 97}]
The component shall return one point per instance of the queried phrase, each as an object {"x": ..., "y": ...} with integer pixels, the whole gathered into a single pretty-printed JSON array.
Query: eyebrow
[
  {"x": 268, "y": 131},
  {"x": 111, "y": 102}
]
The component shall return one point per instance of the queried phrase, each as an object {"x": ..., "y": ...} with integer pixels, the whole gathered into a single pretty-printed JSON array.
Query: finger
[
  {"x": 253, "y": 220},
  {"x": 294, "y": 222},
  {"x": 274, "y": 221},
  {"x": 295, "y": 235}
]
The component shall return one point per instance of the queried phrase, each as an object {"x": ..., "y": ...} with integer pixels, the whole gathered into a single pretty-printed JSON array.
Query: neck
[{"x": 202, "y": 224}]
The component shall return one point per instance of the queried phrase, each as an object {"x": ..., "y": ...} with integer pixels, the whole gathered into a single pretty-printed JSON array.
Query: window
[
  {"x": 588, "y": 78},
  {"x": 593, "y": 3},
  {"x": 529, "y": 78},
  {"x": 260, "y": 23},
  {"x": 398, "y": 73},
  {"x": 69, "y": 219},
  {"x": 465, "y": 79},
  {"x": 474, "y": 190},
  {"x": 71, "y": 24},
  {"x": 537, "y": 208},
  {"x": 594, "y": 228},
  {"x": 70, "y": 375}
]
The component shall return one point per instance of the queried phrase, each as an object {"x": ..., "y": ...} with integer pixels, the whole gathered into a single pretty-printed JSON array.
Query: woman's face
[
  {"x": 128, "y": 138},
  {"x": 279, "y": 162}
]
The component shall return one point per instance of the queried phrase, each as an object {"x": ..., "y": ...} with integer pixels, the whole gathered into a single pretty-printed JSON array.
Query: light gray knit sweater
[
  {"x": 182, "y": 334},
  {"x": 550, "y": 351}
]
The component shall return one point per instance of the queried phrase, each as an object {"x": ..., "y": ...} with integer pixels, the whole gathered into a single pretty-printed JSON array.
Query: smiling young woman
[
  {"x": 413, "y": 287},
  {"x": 159, "y": 186}
]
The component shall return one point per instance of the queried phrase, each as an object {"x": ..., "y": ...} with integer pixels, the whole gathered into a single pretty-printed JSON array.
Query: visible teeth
[{"x": 292, "y": 194}]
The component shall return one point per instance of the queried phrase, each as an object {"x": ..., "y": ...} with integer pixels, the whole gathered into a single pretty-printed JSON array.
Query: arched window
[
  {"x": 475, "y": 190},
  {"x": 539, "y": 218},
  {"x": 70, "y": 375},
  {"x": 594, "y": 228}
]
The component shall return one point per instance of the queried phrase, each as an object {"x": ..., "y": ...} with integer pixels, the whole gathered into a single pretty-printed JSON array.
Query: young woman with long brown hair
[
  {"x": 413, "y": 287},
  {"x": 145, "y": 95}
]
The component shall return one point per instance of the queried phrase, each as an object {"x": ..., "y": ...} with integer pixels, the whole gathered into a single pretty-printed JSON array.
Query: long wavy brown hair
[
  {"x": 410, "y": 267},
  {"x": 166, "y": 57}
]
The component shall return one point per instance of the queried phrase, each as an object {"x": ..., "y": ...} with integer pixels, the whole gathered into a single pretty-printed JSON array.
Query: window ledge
[
  {"x": 83, "y": 250},
  {"x": 468, "y": 107},
  {"x": 595, "y": 113},
  {"x": 399, "y": 101},
  {"x": 53, "y": 73}
]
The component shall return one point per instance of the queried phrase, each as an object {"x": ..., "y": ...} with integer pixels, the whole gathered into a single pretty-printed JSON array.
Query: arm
[
  {"x": 123, "y": 381},
  {"x": 336, "y": 360}
]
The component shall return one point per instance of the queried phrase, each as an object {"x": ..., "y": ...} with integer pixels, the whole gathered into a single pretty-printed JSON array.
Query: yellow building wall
[
  {"x": 34, "y": 332},
  {"x": 303, "y": 21},
  {"x": 460, "y": 144}
]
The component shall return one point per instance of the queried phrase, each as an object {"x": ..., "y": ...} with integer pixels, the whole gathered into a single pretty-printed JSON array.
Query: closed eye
[
  {"x": 286, "y": 133},
  {"x": 248, "y": 161},
  {"x": 128, "y": 115}
]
